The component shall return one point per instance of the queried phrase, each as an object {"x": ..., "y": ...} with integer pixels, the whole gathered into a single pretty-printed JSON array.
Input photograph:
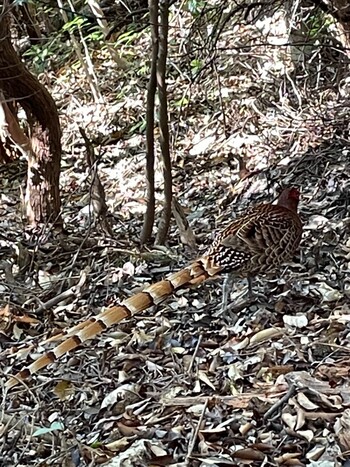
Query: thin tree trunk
[
  {"x": 151, "y": 91},
  {"x": 164, "y": 223}
]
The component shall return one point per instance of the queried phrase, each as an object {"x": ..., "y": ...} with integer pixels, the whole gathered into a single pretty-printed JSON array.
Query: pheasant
[{"x": 257, "y": 242}]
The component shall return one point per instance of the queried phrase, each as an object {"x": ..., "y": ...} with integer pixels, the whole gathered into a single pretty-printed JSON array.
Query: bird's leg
[
  {"x": 250, "y": 287},
  {"x": 226, "y": 289},
  {"x": 254, "y": 295}
]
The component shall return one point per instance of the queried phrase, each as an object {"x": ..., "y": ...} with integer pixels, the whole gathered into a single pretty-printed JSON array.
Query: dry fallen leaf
[
  {"x": 126, "y": 392},
  {"x": 64, "y": 390},
  {"x": 298, "y": 321},
  {"x": 329, "y": 294},
  {"x": 265, "y": 335}
]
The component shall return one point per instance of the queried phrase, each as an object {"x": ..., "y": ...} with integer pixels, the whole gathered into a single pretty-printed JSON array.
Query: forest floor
[{"x": 181, "y": 384}]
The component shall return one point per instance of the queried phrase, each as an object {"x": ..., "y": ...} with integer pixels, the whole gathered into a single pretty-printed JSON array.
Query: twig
[
  {"x": 189, "y": 369},
  {"x": 72, "y": 292},
  {"x": 195, "y": 434},
  {"x": 280, "y": 402},
  {"x": 186, "y": 234},
  {"x": 98, "y": 205},
  {"x": 238, "y": 401},
  {"x": 13, "y": 423}
]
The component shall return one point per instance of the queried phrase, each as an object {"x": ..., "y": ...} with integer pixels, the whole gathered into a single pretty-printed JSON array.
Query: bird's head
[{"x": 289, "y": 198}]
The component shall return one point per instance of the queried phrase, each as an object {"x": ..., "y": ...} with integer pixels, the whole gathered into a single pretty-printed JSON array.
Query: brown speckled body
[{"x": 258, "y": 242}]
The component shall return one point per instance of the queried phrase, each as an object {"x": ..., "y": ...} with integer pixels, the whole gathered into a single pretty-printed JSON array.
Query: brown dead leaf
[{"x": 64, "y": 390}]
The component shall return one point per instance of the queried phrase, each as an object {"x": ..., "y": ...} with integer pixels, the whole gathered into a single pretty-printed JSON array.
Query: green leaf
[
  {"x": 54, "y": 426},
  {"x": 181, "y": 102}
]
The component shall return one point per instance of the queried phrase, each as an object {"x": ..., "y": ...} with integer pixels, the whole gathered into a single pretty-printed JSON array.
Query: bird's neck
[{"x": 288, "y": 203}]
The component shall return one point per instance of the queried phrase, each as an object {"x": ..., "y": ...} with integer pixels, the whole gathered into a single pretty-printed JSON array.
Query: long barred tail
[{"x": 194, "y": 274}]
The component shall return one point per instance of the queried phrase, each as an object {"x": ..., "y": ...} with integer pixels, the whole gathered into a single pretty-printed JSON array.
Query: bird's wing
[{"x": 262, "y": 227}]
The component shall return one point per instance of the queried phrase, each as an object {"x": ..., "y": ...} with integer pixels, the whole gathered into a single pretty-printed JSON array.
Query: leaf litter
[{"x": 181, "y": 384}]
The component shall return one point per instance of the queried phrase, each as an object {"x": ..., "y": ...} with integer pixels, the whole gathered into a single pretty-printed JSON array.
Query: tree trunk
[
  {"x": 150, "y": 158},
  {"x": 164, "y": 223},
  {"x": 42, "y": 195}
]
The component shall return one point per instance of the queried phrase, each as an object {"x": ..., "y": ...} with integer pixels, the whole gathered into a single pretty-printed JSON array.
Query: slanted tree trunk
[{"x": 42, "y": 194}]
